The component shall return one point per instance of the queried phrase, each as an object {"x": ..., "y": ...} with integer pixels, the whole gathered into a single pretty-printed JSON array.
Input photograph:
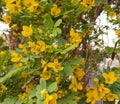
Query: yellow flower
[
  {"x": 111, "y": 97},
  {"x": 27, "y": 31},
  {"x": 14, "y": 8},
  {"x": 4, "y": 88},
  {"x": 2, "y": 53},
  {"x": 112, "y": 14},
  {"x": 23, "y": 96},
  {"x": 49, "y": 49},
  {"x": 103, "y": 90},
  {"x": 88, "y": 3},
  {"x": 118, "y": 32},
  {"x": 19, "y": 65},
  {"x": 9, "y": 1},
  {"x": 29, "y": 87},
  {"x": 44, "y": 93},
  {"x": 75, "y": 85},
  {"x": 31, "y": 44},
  {"x": 74, "y": 37},
  {"x": 32, "y": 8},
  {"x": 110, "y": 77},
  {"x": 58, "y": 79},
  {"x": 38, "y": 9},
  {"x": 92, "y": 95},
  {"x": 24, "y": 74},
  {"x": 51, "y": 99},
  {"x": 64, "y": 16},
  {"x": 95, "y": 80},
  {"x": 55, "y": 10},
  {"x": 16, "y": 57},
  {"x": 45, "y": 74},
  {"x": 79, "y": 73},
  {"x": 14, "y": 27},
  {"x": 61, "y": 93},
  {"x": 56, "y": 65},
  {"x": 37, "y": 48},
  {"x": 42, "y": 45},
  {"x": 21, "y": 46},
  {"x": 29, "y": 3},
  {"x": 7, "y": 19}
]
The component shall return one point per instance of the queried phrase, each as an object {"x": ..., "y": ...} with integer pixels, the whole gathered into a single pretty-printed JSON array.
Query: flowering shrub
[{"x": 54, "y": 62}]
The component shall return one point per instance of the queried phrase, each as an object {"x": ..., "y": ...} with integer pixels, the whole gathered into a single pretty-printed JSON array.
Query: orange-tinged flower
[
  {"x": 110, "y": 77},
  {"x": 55, "y": 10},
  {"x": 55, "y": 65},
  {"x": 27, "y": 31},
  {"x": 7, "y": 19}
]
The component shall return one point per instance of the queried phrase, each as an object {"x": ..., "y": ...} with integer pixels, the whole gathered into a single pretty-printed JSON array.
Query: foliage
[{"x": 52, "y": 52}]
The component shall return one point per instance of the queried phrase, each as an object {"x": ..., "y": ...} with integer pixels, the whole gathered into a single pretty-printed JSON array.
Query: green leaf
[
  {"x": 39, "y": 89},
  {"x": 48, "y": 22},
  {"x": 115, "y": 88},
  {"x": 52, "y": 87},
  {"x": 13, "y": 72},
  {"x": 70, "y": 63},
  {"x": 25, "y": 59},
  {"x": 68, "y": 49},
  {"x": 56, "y": 31},
  {"x": 75, "y": 61},
  {"x": 43, "y": 83},
  {"x": 64, "y": 51},
  {"x": 68, "y": 69},
  {"x": 11, "y": 100},
  {"x": 58, "y": 22},
  {"x": 37, "y": 34}
]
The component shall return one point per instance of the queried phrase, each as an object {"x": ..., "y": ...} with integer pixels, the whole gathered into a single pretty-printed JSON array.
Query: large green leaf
[
  {"x": 48, "y": 22},
  {"x": 43, "y": 83},
  {"x": 52, "y": 87},
  {"x": 58, "y": 22},
  {"x": 68, "y": 69}
]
